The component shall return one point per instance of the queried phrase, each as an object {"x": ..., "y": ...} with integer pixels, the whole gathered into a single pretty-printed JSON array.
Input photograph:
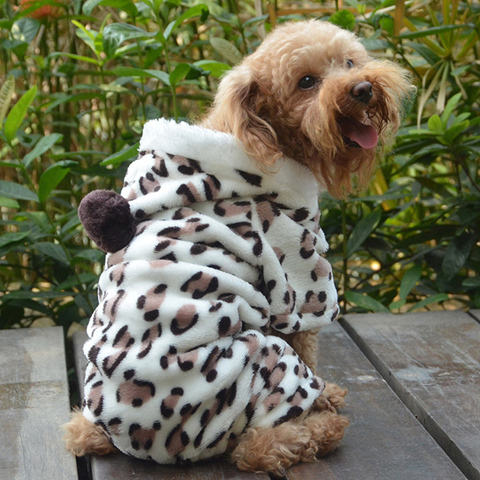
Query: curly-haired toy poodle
[{"x": 215, "y": 287}]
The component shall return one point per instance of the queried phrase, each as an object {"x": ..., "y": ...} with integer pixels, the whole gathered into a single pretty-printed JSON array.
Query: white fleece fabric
[{"x": 182, "y": 354}]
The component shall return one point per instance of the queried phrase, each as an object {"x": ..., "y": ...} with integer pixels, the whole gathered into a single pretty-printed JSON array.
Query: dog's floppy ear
[{"x": 238, "y": 110}]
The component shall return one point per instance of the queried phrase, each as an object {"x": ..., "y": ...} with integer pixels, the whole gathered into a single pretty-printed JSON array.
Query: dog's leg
[
  {"x": 275, "y": 449},
  {"x": 305, "y": 344},
  {"x": 83, "y": 437},
  {"x": 331, "y": 399}
]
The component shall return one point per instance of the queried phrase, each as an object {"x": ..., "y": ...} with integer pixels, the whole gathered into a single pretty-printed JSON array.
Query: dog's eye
[
  {"x": 350, "y": 63},
  {"x": 307, "y": 82}
]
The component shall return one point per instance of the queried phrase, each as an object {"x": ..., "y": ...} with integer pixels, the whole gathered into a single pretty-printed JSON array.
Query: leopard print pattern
[{"x": 182, "y": 355}]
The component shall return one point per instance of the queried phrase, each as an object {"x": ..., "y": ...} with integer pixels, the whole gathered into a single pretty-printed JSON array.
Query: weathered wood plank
[
  {"x": 384, "y": 440},
  {"x": 432, "y": 361},
  {"x": 119, "y": 466},
  {"x": 476, "y": 315},
  {"x": 34, "y": 403}
]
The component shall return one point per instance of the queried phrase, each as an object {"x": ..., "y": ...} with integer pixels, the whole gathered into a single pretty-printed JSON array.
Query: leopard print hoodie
[{"x": 182, "y": 355}]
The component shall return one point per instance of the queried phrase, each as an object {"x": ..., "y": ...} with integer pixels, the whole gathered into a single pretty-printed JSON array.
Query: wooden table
[
  {"x": 34, "y": 404},
  {"x": 413, "y": 402}
]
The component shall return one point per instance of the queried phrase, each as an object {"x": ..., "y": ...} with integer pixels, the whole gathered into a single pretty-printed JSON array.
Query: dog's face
[{"x": 311, "y": 92}]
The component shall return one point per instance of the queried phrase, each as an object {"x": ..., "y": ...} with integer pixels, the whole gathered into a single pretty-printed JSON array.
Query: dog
[{"x": 204, "y": 341}]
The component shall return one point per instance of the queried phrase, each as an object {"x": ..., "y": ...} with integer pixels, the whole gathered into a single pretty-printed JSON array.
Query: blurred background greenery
[{"x": 80, "y": 78}]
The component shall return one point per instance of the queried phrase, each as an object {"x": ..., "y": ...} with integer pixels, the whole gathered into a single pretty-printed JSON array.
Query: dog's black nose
[{"x": 362, "y": 92}]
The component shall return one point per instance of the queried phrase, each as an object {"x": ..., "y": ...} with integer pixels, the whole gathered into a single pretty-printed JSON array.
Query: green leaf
[
  {"x": 457, "y": 254},
  {"x": 449, "y": 108},
  {"x": 9, "y": 164},
  {"x": 227, "y": 50},
  {"x": 435, "y": 124},
  {"x": 8, "y": 238},
  {"x": 44, "y": 144},
  {"x": 409, "y": 280},
  {"x": 366, "y": 302},
  {"x": 16, "y": 191},
  {"x": 435, "y": 31},
  {"x": 427, "y": 53},
  {"x": 51, "y": 177},
  {"x": 387, "y": 23},
  {"x": 198, "y": 10},
  {"x": 125, "y": 5},
  {"x": 73, "y": 56},
  {"x": 461, "y": 71},
  {"x": 362, "y": 230},
  {"x": 6, "y": 93},
  {"x": 64, "y": 98},
  {"x": 72, "y": 281},
  {"x": 344, "y": 19},
  {"x": 6, "y": 23},
  {"x": 117, "y": 33},
  {"x": 216, "y": 69},
  {"x": 471, "y": 282},
  {"x": 195, "y": 72},
  {"x": 89, "y": 5},
  {"x": 433, "y": 186},
  {"x": 430, "y": 151},
  {"x": 127, "y": 153},
  {"x": 25, "y": 29},
  {"x": 397, "y": 305},
  {"x": 92, "y": 255},
  {"x": 462, "y": 117},
  {"x": 17, "y": 113},
  {"x": 52, "y": 250},
  {"x": 439, "y": 297},
  {"x": 179, "y": 73},
  {"x": 456, "y": 130},
  {"x": 138, "y": 72},
  {"x": 87, "y": 36},
  {"x": 8, "y": 203}
]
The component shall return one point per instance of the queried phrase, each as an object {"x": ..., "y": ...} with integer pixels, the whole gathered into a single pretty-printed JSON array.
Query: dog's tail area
[{"x": 83, "y": 437}]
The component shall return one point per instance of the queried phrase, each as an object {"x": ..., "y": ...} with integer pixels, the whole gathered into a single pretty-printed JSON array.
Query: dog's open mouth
[{"x": 357, "y": 134}]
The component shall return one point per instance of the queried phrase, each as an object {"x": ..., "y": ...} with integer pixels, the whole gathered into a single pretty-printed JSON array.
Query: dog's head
[{"x": 311, "y": 92}]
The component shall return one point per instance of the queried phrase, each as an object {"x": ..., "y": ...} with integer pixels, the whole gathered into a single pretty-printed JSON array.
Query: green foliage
[
  {"x": 82, "y": 81},
  {"x": 78, "y": 83}
]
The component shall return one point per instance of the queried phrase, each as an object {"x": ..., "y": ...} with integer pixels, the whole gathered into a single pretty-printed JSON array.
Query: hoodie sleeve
[{"x": 296, "y": 278}]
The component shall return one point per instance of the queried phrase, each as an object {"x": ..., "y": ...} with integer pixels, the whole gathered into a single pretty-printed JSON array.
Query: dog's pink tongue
[{"x": 365, "y": 135}]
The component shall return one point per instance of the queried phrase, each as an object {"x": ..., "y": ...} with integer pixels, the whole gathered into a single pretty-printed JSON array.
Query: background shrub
[{"x": 79, "y": 80}]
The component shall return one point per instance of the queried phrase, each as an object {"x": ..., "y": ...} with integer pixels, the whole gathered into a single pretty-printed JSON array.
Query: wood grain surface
[
  {"x": 34, "y": 403},
  {"x": 432, "y": 361}
]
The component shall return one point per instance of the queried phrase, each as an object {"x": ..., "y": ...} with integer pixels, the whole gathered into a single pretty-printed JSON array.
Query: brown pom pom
[{"x": 107, "y": 219}]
